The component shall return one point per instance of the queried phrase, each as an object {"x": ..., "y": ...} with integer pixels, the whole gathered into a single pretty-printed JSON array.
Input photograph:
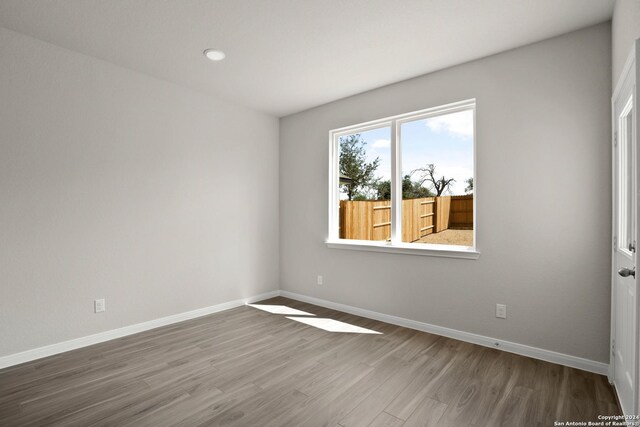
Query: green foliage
[
  {"x": 469, "y": 187},
  {"x": 413, "y": 190},
  {"x": 410, "y": 189},
  {"x": 353, "y": 164},
  {"x": 383, "y": 190}
]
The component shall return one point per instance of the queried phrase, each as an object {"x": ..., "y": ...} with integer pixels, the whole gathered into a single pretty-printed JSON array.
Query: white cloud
[
  {"x": 381, "y": 143},
  {"x": 456, "y": 124}
]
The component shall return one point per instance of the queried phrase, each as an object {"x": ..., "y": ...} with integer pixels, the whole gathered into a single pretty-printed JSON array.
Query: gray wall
[
  {"x": 543, "y": 187},
  {"x": 117, "y": 185},
  {"x": 625, "y": 30}
]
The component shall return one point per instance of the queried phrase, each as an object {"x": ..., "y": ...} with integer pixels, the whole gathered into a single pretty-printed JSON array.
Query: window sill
[{"x": 446, "y": 251}]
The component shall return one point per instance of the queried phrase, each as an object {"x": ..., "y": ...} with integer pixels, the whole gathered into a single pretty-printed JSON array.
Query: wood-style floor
[{"x": 247, "y": 367}]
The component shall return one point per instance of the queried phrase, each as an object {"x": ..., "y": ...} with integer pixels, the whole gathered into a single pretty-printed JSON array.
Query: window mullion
[
  {"x": 396, "y": 186},
  {"x": 334, "y": 190}
]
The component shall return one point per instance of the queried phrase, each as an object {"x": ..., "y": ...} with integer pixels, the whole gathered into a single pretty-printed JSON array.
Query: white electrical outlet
[
  {"x": 501, "y": 311},
  {"x": 99, "y": 306},
  {"x": 320, "y": 280}
]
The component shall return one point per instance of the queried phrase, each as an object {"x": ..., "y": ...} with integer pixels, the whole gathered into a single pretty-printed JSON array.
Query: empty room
[{"x": 319, "y": 213}]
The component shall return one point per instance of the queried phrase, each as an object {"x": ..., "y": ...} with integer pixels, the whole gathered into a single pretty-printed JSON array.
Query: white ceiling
[{"x": 285, "y": 56}]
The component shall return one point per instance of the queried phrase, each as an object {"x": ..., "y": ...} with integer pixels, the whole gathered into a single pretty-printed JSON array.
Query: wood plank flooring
[{"x": 248, "y": 367}]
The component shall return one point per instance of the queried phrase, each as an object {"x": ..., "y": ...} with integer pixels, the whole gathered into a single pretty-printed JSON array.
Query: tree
[
  {"x": 428, "y": 175},
  {"x": 410, "y": 189},
  {"x": 383, "y": 190},
  {"x": 469, "y": 188},
  {"x": 414, "y": 190},
  {"x": 353, "y": 164}
]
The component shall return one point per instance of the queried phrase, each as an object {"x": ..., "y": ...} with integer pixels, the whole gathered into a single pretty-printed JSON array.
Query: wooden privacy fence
[
  {"x": 461, "y": 213},
  {"x": 371, "y": 220}
]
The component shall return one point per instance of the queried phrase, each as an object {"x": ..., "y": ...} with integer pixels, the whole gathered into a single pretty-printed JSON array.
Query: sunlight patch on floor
[
  {"x": 331, "y": 325},
  {"x": 280, "y": 309}
]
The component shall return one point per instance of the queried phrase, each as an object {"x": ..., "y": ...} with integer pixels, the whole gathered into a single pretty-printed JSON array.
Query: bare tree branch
[{"x": 428, "y": 174}]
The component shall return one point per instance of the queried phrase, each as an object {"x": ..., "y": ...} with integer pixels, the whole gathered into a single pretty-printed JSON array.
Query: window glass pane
[
  {"x": 365, "y": 185},
  {"x": 625, "y": 180},
  {"x": 437, "y": 179}
]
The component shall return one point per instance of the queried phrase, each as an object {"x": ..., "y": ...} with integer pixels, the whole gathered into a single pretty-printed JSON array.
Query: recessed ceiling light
[{"x": 214, "y": 54}]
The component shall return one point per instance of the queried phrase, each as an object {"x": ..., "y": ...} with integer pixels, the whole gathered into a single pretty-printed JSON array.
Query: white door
[{"x": 624, "y": 295}]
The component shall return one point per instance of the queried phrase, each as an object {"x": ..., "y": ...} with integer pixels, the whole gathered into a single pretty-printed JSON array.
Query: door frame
[{"x": 629, "y": 67}]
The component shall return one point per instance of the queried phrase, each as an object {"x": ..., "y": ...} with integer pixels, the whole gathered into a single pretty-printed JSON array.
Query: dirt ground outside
[{"x": 449, "y": 237}]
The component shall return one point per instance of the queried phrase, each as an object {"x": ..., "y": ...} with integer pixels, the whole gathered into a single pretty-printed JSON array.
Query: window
[
  {"x": 406, "y": 183},
  {"x": 625, "y": 178}
]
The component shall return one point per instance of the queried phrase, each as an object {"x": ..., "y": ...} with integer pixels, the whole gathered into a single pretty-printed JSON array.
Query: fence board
[{"x": 443, "y": 206}]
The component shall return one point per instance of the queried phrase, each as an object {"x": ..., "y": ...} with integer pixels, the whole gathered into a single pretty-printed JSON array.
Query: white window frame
[{"x": 396, "y": 245}]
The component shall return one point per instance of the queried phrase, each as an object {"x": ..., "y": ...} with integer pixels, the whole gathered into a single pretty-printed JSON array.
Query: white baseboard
[
  {"x": 524, "y": 350},
  {"x": 536, "y": 353},
  {"x": 50, "y": 350}
]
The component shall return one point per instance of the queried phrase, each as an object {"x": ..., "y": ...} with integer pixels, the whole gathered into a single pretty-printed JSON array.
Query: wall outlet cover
[{"x": 501, "y": 311}]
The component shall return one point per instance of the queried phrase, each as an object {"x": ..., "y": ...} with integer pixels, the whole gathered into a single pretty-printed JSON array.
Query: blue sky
[{"x": 446, "y": 141}]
